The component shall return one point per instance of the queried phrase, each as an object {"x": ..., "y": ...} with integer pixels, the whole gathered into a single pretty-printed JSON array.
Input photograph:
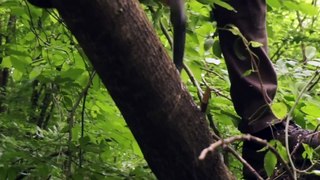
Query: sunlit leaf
[
  {"x": 224, "y": 4},
  {"x": 311, "y": 110},
  {"x": 279, "y": 109},
  {"x": 255, "y": 44},
  {"x": 6, "y": 62},
  {"x": 274, "y": 3},
  {"x": 308, "y": 9},
  {"x": 310, "y": 52},
  {"x": 308, "y": 152},
  {"x": 291, "y": 5},
  {"x": 316, "y": 172},
  {"x": 234, "y": 30},
  {"x": 270, "y": 162}
]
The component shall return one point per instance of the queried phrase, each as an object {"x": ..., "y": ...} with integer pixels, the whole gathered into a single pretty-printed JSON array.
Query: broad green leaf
[
  {"x": 208, "y": 43},
  {"x": 311, "y": 110},
  {"x": 17, "y": 75},
  {"x": 291, "y": 5},
  {"x": 19, "y": 52},
  {"x": 308, "y": 9},
  {"x": 225, "y": 120},
  {"x": 20, "y": 63},
  {"x": 280, "y": 148},
  {"x": 67, "y": 101},
  {"x": 6, "y": 62},
  {"x": 274, "y": 3},
  {"x": 279, "y": 109},
  {"x": 18, "y": 10},
  {"x": 36, "y": 71},
  {"x": 216, "y": 49},
  {"x": 72, "y": 73},
  {"x": 83, "y": 79},
  {"x": 30, "y": 36},
  {"x": 224, "y": 4},
  {"x": 205, "y": 28},
  {"x": 270, "y": 162}
]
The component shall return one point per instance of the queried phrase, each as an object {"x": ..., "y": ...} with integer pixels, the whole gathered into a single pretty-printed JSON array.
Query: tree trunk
[
  {"x": 145, "y": 85},
  {"x": 4, "y": 73}
]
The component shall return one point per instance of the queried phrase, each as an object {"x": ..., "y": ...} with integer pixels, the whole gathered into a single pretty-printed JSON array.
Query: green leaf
[
  {"x": 72, "y": 73},
  {"x": 255, "y": 44},
  {"x": 270, "y": 162},
  {"x": 216, "y": 49},
  {"x": 18, "y": 10},
  {"x": 36, "y": 71},
  {"x": 224, "y": 4},
  {"x": 30, "y": 36},
  {"x": 280, "y": 148},
  {"x": 308, "y": 9},
  {"x": 308, "y": 152},
  {"x": 274, "y": 3},
  {"x": 279, "y": 109},
  {"x": 247, "y": 73},
  {"x": 208, "y": 43},
  {"x": 75, "y": 132},
  {"x": 6, "y": 62},
  {"x": 310, "y": 52},
  {"x": 17, "y": 75},
  {"x": 234, "y": 30},
  {"x": 316, "y": 172},
  {"x": 291, "y": 5},
  {"x": 311, "y": 110},
  {"x": 19, "y": 63}
]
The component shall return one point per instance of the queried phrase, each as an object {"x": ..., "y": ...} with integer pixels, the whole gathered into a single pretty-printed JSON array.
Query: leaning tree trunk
[{"x": 145, "y": 85}]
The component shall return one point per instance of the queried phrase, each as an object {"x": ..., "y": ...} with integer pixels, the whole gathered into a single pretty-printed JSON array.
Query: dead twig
[{"x": 246, "y": 137}]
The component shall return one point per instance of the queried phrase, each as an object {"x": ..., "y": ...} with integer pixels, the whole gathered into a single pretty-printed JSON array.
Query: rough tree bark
[{"x": 129, "y": 58}]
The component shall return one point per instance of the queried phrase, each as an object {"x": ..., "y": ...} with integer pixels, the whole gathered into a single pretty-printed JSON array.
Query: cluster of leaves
[{"x": 47, "y": 73}]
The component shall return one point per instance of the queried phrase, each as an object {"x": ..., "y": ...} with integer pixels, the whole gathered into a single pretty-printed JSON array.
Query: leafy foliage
[{"x": 48, "y": 71}]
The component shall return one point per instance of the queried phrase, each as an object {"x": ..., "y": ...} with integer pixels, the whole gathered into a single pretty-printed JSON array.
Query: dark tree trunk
[
  {"x": 145, "y": 85},
  {"x": 4, "y": 73}
]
